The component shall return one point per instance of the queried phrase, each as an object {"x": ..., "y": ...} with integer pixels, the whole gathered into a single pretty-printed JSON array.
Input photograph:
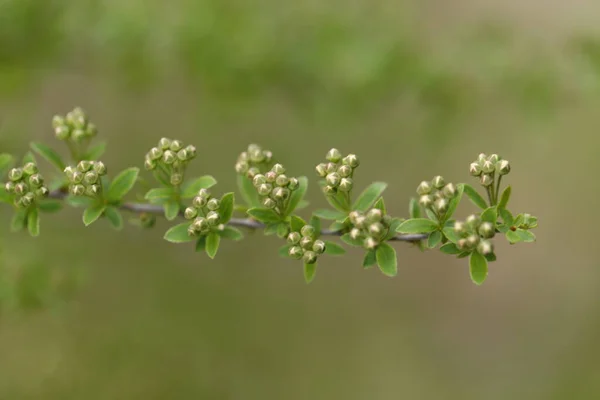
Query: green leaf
[
  {"x": 394, "y": 224},
  {"x": 302, "y": 204},
  {"x": 282, "y": 230},
  {"x": 330, "y": 215},
  {"x": 171, "y": 208},
  {"x": 95, "y": 152},
  {"x": 296, "y": 223},
  {"x": 50, "y": 206},
  {"x": 478, "y": 268},
  {"x": 370, "y": 259},
  {"x": 92, "y": 213},
  {"x": 49, "y": 155},
  {"x": 490, "y": 215},
  {"x": 283, "y": 251},
  {"x": 192, "y": 188},
  {"x": 506, "y": 216},
  {"x": 309, "y": 272},
  {"x": 334, "y": 249},
  {"x": 351, "y": 242},
  {"x": 212, "y": 244},
  {"x": 19, "y": 220},
  {"x": 335, "y": 203},
  {"x": 414, "y": 209},
  {"x": 33, "y": 222},
  {"x": 248, "y": 191},
  {"x": 490, "y": 257},
  {"x": 160, "y": 194},
  {"x": 201, "y": 244},
  {"x": 417, "y": 225},
  {"x": 6, "y": 162},
  {"x": 79, "y": 201},
  {"x": 336, "y": 226},
  {"x": 229, "y": 232},
  {"x": 271, "y": 229},
  {"x": 519, "y": 220},
  {"x": 114, "y": 217},
  {"x": 464, "y": 254},
  {"x": 512, "y": 237},
  {"x": 434, "y": 239},
  {"x": 474, "y": 196},
  {"x": 450, "y": 248},
  {"x": 122, "y": 184},
  {"x": 226, "y": 207},
  {"x": 504, "y": 198},
  {"x": 297, "y": 195},
  {"x": 386, "y": 259},
  {"x": 265, "y": 215},
  {"x": 526, "y": 236},
  {"x": 450, "y": 234},
  {"x": 179, "y": 234},
  {"x": 315, "y": 222},
  {"x": 369, "y": 196},
  {"x": 380, "y": 204},
  {"x": 454, "y": 202},
  {"x": 29, "y": 157},
  {"x": 161, "y": 178}
]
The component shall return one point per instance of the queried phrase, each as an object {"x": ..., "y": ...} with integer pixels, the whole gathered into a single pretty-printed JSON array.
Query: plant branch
[{"x": 140, "y": 208}]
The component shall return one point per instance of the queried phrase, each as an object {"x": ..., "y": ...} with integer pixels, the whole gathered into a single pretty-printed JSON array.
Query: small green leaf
[
  {"x": 526, "y": 236},
  {"x": 201, "y": 244},
  {"x": 19, "y": 220},
  {"x": 171, "y": 208},
  {"x": 6, "y": 162},
  {"x": 95, "y": 152},
  {"x": 474, "y": 196},
  {"x": 49, "y": 155},
  {"x": 315, "y": 222},
  {"x": 512, "y": 237},
  {"x": 283, "y": 250},
  {"x": 122, "y": 184},
  {"x": 179, "y": 234},
  {"x": 519, "y": 220},
  {"x": 394, "y": 224},
  {"x": 330, "y": 215},
  {"x": 454, "y": 202},
  {"x": 490, "y": 215},
  {"x": 450, "y": 234},
  {"x": 29, "y": 157},
  {"x": 434, "y": 239},
  {"x": 226, "y": 207},
  {"x": 506, "y": 216},
  {"x": 92, "y": 213},
  {"x": 336, "y": 226},
  {"x": 450, "y": 248},
  {"x": 309, "y": 272},
  {"x": 297, "y": 195},
  {"x": 282, "y": 230},
  {"x": 33, "y": 222},
  {"x": 296, "y": 223},
  {"x": 302, "y": 205},
  {"x": 380, "y": 204},
  {"x": 271, "y": 229},
  {"x": 351, "y": 242},
  {"x": 231, "y": 233},
  {"x": 478, "y": 268},
  {"x": 431, "y": 215},
  {"x": 114, "y": 217},
  {"x": 335, "y": 203},
  {"x": 490, "y": 257},
  {"x": 386, "y": 259},
  {"x": 79, "y": 201},
  {"x": 248, "y": 191},
  {"x": 369, "y": 196},
  {"x": 212, "y": 244},
  {"x": 417, "y": 225},
  {"x": 334, "y": 249},
  {"x": 50, "y": 206},
  {"x": 264, "y": 215},
  {"x": 370, "y": 259},
  {"x": 414, "y": 209},
  {"x": 160, "y": 194},
  {"x": 192, "y": 188},
  {"x": 464, "y": 254},
  {"x": 504, "y": 198}
]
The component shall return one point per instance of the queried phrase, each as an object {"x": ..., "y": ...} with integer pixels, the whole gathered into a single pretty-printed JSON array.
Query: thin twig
[{"x": 145, "y": 208}]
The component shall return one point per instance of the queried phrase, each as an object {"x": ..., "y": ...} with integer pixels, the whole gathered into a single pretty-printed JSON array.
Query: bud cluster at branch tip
[
  {"x": 26, "y": 184},
  {"x": 274, "y": 187},
  {"x": 337, "y": 172},
  {"x": 74, "y": 126},
  {"x": 255, "y": 160},
  {"x": 436, "y": 195},
  {"x": 475, "y": 234},
  {"x": 169, "y": 159},
  {"x": 204, "y": 212},
  {"x": 85, "y": 179},
  {"x": 305, "y": 245},
  {"x": 487, "y": 167},
  {"x": 370, "y": 228}
]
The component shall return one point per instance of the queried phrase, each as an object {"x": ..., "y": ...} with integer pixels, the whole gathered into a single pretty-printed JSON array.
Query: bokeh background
[{"x": 416, "y": 88}]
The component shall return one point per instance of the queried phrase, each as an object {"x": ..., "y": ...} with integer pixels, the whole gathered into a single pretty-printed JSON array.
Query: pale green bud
[
  {"x": 90, "y": 178},
  {"x": 355, "y": 233},
  {"x": 77, "y": 177},
  {"x": 244, "y": 156},
  {"x": 191, "y": 151},
  {"x": 351, "y": 160},
  {"x": 269, "y": 203},
  {"x": 346, "y": 185},
  {"x": 78, "y": 190},
  {"x": 30, "y": 169},
  {"x": 168, "y": 157},
  {"x": 424, "y": 188},
  {"x": 200, "y": 224},
  {"x": 91, "y": 130},
  {"x": 486, "y": 180},
  {"x": 268, "y": 156},
  {"x": 503, "y": 167},
  {"x": 199, "y": 201},
  {"x": 488, "y": 167},
  {"x": 353, "y": 216},
  {"x": 331, "y": 168},
  {"x": 294, "y": 238},
  {"x": 42, "y": 192},
  {"x": 15, "y": 174},
  {"x": 257, "y": 156},
  {"x": 370, "y": 243},
  {"x": 360, "y": 221},
  {"x": 242, "y": 167},
  {"x": 213, "y": 204},
  {"x": 309, "y": 257},
  {"x": 374, "y": 215},
  {"x": 27, "y": 199},
  {"x": 190, "y": 213},
  {"x": 473, "y": 221},
  {"x": 84, "y": 166},
  {"x": 460, "y": 227},
  {"x": 449, "y": 191},
  {"x": 344, "y": 171},
  {"x": 462, "y": 244},
  {"x": 306, "y": 243},
  {"x": 271, "y": 176},
  {"x": 481, "y": 158},
  {"x": 321, "y": 170},
  {"x": 282, "y": 180},
  {"x": 213, "y": 218},
  {"x": 278, "y": 169},
  {"x": 265, "y": 189},
  {"x": 252, "y": 172},
  {"x": 176, "y": 145},
  {"x": 149, "y": 164},
  {"x": 93, "y": 190},
  {"x": 296, "y": 252},
  {"x": 191, "y": 231},
  {"x": 164, "y": 143},
  {"x": 329, "y": 190},
  {"x": 426, "y": 200},
  {"x": 438, "y": 182},
  {"x": 258, "y": 180},
  {"x": 176, "y": 179},
  {"x": 308, "y": 231},
  {"x": 100, "y": 168},
  {"x": 487, "y": 230},
  {"x": 485, "y": 247},
  {"x": 58, "y": 120},
  {"x": 280, "y": 193},
  {"x": 182, "y": 155},
  {"x": 472, "y": 241},
  {"x": 319, "y": 247},
  {"x": 475, "y": 169},
  {"x": 333, "y": 179},
  {"x": 78, "y": 135},
  {"x": 62, "y": 132},
  {"x": 333, "y": 155},
  {"x": 204, "y": 193},
  {"x": 36, "y": 180},
  {"x": 294, "y": 183},
  {"x": 9, "y": 187},
  {"x": 21, "y": 188},
  {"x": 441, "y": 205},
  {"x": 376, "y": 229},
  {"x": 494, "y": 158}
]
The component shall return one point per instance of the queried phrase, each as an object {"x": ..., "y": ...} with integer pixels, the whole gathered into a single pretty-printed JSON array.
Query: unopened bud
[
  {"x": 333, "y": 155},
  {"x": 78, "y": 190},
  {"x": 164, "y": 143},
  {"x": 168, "y": 157},
  {"x": 269, "y": 203},
  {"x": 487, "y": 230},
  {"x": 15, "y": 174},
  {"x": 355, "y": 233},
  {"x": 213, "y": 204},
  {"x": 481, "y": 158},
  {"x": 280, "y": 193},
  {"x": 62, "y": 132},
  {"x": 278, "y": 169},
  {"x": 77, "y": 177},
  {"x": 84, "y": 166},
  {"x": 191, "y": 151},
  {"x": 213, "y": 218},
  {"x": 78, "y": 135},
  {"x": 91, "y": 130},
  {"x": 462, "y": 244},
  {"x": 438, "y": 182},
  {"x": 488, "y": 167},
  {"x": 503, "y": 167},
  {"x": 321, "y": 170},
  {"x": 149, "y": 164},
  {"x": 346, "y": 185},
  {"x": 268, "y": 156},
  {"x": 426, "y": 201},
  {"x": 265, "y": 189},
  {"x": 241, "y": 167},
  {"x": 473, "y": 221},
  {"x": 353, "y": 216},
  {"x": 486, "y": 180},
  {"x": 200, "y": 224},
  {"x": 182, "y": 155},
  {"x": 329, "y": 190},
  {"x": 294, "y": 183},
  {"x": 370, "y": 243},
  {"x": 190, "y": 213},
  {"x": 90, "y": 178},
  {"x": 309, "y": 257},
  {"x": 282, "y": 180},
  {"x": 331, "y": 168},
  {"x": 42, "y": 192},
  {"x": 100, "y": 168},
  {"x": 485, "y": 247},
  {"x": 204, "y": 193},
  {"x": 36, "y": 180},
  {"x": 271, "y": 176},
  {"x": 21, "y": 188},
  {"x": 176, "y": 145},
  {"x": 424, "y": 188},
  {"x": 333, "y": 179},
  {"x": 459, "y": 227},
  {"x": 494, "y": 158},
  {"x": 27, "y": 200},
  {"x": 296, "y": 252},
  {"x": 374, "y": 215},
  {"x": 9, "y": 187},
  {"x": 30, "y": 169},
  {"x": 475, "y": 169},
  {"x": 93, "y": 190},
  {"x": 199, "y": 201},
  {"x": 472, "y": 241},
  {"x": 306, "y": 242},
  {"x": 294, "y": 238},
  {"x": 58, "y": 120},
  {"x": 252, "y": 172},
  {"x": 441, "y": 205},
  {"x": 259, "y": 180},
  {"x": 449, "y": 191},
  {"x": 351, "y": 160},
  {"x": 307, "y": 231},
  {"x": 319, "y": 247},
  {"x": 176, "y": 179},
  {"x": 376, "y": 229}
]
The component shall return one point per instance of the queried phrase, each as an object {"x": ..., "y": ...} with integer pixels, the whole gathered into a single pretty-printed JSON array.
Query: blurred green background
[{"x": 416, "y": 88}]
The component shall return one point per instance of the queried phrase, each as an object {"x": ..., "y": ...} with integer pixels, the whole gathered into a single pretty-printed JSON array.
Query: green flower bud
[
  {"x": 42, "y": 192},
  {"x": 252, "y": 172},
  {"x": 36, "y": 180},
  {"x": 176, "y": 145},
  {"x": 296, "y": 252},
  {"x": 306, "y": 243},
  {"x": 309, "y": 257},
  {"x": 424, "y": 188},
  {"x": 278, "y": 169},
  {"x": 473, "y": 221},
  {"x": 344, "y": 171},
  {"x": 149, "y": 164},
  {"x": 438, "y": 182},
  {"x": 494, "y": 158},
  {"x": 84, "y": 166},
  {"x": 353, "y": 216},
  {"x": 182, "y": 155},
  {"x": 487, "y": 230},
  {"x": 27, "y": 199},
  {"x": 244, "y": 156},
  {"x": 355, "y": 233},
  {"x": 319, "y": 247},
  {"x": 333, "y": 179},
  {"x": 280, "y": 193},
  {"x": 475, "y": 169},
  {"x": 9, "y": 187},
  {"x": 77, "y": 190},
  {"x": 200, "y": 224},
  {"x": 15, "y": 174},
  {"x": 426, "y": 200},
  {"x": 169, "y": 157},
  {"x": 282, "y": 180},
  {"x": 308, "y": 231},
  {"x": 331, "y": 168},
  {"x": 62, "y": 132},
  {"x": 370, "y": 243},
  {"x": 77, "y": 177},
  {"x": 360, "y": 221},
  {"x": 242, "y": 167},
  {"x": 268, "y": 156},
  {"x": 503, "y": 167},
  {"x": 269, "y": 203},
  {"x": 176, "y": 179},
  {"x": 488, "y": 167},
  {"x": 271, "y": 176},
  {"x": 30, "y": 169},
  {"x": 481, "y": 158},
  {"x": 78, "y": 135},
  {"x": 191, "y": 151},
  {"x": 58, "y": 120},
  {"x": 462, "y": 244},
  {"x": 486, "y": 180},
  {"x": 321, "y": 170},
  {"x": 294, "y": 238},
  {"x": 351, "y": 160},
  {"x": 259, "y": 180},
  {"x": 199, "y": 201},
  {"x": 164, "y": 143},
  {"x": 90, "y": 178},
  {"x": 485, "y": 247},
  {"x": 387, "y": 220},
  {"x": 213, "y": 204},
  {"x": 376, "y": 229},
  {"x": 449, "y": 191},
  {"x": 441, "y": 205},
  {"x": 460, "y": 227},
  {"x": 91, "y": 130},
  {"x": 21, "y": 188},
  {"x": 374, "y": 215},
  {"x": 329, "y": 190},
  {"x": 333, "y": 155},
  {"x": 191, "y": 231},
  {"x": 190, "y": 213},
  {"x": 472, "y": 241},
  {"x": 294, "y": 183},
  {"x": 346, "y": 185},
  {"x": 99, "y": 168},
  {"x": 265, "y": 189},
  {"x": 93, "y": 190},
  {"x": 213, "y": 218},
  {"x": 257, "y": 156},
  {"x": 204, "y": 193}
]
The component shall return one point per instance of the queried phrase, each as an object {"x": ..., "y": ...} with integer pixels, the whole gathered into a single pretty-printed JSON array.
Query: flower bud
[
  {"x": 424, "y": 188},
  {"x": 268, "y": 155},
  {"x": 204, "y": 193},
  {"x": 462, "y": 244},
  {"x": 331, "y": 168},
  {"x": 278, "y": 169},
  {"x": 308, "y": 231},
  {"x": 182, "y": 155},
  {"x": 351, "y": 160},
  {"x": 473, "y": 221},
  {"x": 62, "y": 132},
  {"x": 149, "y": 164},
  {"x": 360, "y": 221},
  {"x": 58, "y": 120},
  {"x": 265, "y": 189},
  {"x": 259, "y": 180},
  {"x": 449, "y": 191},
  {"x": 438, "y": 182},
  {"x": 155, "y": 153},
  {"x": 487, "y": 230},
  {"x": 90, "y": 178},
  {"x": 77, "y": 177},
  {"x": 374, "y": 215},
  {"x": 294, "y": 238},
  {"x": 99, "y": 168},
  {"x": 294, "y": 183},
  {"x": 15, "y": 174},
  {"x": 306, "y": 243},
  {"x": 213, "y": 218},
  {"x": 333, "y": 179},
  {"x": 252, "y": 172},
  {"x": 213, "y": 204},
  {"x": 485, "y": 247},
  {"x": 370, "y": 243},
  {"x": 355, "y": 233},
  {"x": 91, "y": 130},
  {"x": 426, "y": 201},
  {"x": 256, "y": 155},
  {"x": 475, "y": 169},
  {"x": 271, "y": 176},
  {"x": 494, "y": 158},
  {"x": 488, "y": 167},
  {"x": 472, "y": 241},
  {"x": 329, "y": 190},
  {"x": 191, "y": 231},
  {"x": 319, "y": 247},
  {"x": 344, "y": 171},
  {"x": 309, "y": 257},
  {"x": 200, "y": 224},
  {"x": 269, "y": 203},
  {"x": 27, "y": 199},
  {"x": 376, "y": 229},
  {"x": 333, "y": 155},
  {"x": 93, "y": 190},
  {"x": 503, "y": 167},
  {"x": 486, "y": 180},
  {"x": 441, "y": 205},
  {"x": 190, "y": 213},
  {"x": 280, "y": 193},
  {"x": 36, "y": 180},
  {"x": 84, "y": 166},
  {"x": 9, "y": 187},
  {"x": 199, "y": 201},
  {"x": 78, "y": 135},
  {"x": 346, "y": 185},
  {"x": 241, "y": 167},
  {"x": 459, "y": 227},
  {"x": 169, "y": 157},
  {"x": 387, "y": 220},
  {"x": 282, "y": 180},
  {"x": 176, "y": 179},
  {"x": 353, "y": 216},
  {"x": 21, "y": 188},
  {"x": 42, "y": 192},
  {"x": 321, "y": 170},
  {"x": 164, "y": 143},
  {"x": 30, "y": 169},
  {"x": 191, "y": 151},
  {"x": 296, "y": 252},
  {"x": 481, "y": 158},
  {"x": 176, "y": 145},
  {"x": 77, "y": 190}
]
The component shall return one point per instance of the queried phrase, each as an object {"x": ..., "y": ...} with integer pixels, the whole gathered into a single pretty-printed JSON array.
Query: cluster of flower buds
[
  {"x": 253, "y": 161},
  {"x": 170, "y": 157},
  {"x": 274, "y": 187},
  {"x": 436, "y": 195},
  {"x": 305, "y": 246},
  {"x": 475, "y": 234},
  {"x": 486, "y": 168},
  {"x": 26, "y": 184},
  {"x": 86, "y": 178},
  {"x": 338, "y": 171},
  {"x": 370, "y": 227},
  {"x": 74, "y": 126},
  {"x": 204, "y": 212}
]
